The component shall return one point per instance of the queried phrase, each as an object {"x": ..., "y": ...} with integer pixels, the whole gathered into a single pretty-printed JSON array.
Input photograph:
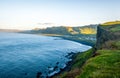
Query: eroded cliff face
[{"x": 104, "y": 35}]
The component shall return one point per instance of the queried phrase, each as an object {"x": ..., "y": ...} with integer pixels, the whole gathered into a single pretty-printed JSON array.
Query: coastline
[
  {"x": 70, "y": 55},
  {"x": 79, "y": 41},
  {"x": 72, "y": 65},
  {"x": 68, "y": 66},
  {"x": 84, "y": 42},
  {"x": 74, "y": 55}
]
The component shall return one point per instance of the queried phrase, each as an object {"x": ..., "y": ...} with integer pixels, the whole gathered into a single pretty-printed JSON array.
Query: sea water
[{"x": 24, "y": 55}]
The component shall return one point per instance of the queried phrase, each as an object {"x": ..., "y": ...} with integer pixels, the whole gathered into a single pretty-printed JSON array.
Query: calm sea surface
[{"x": 24, "y": 55}]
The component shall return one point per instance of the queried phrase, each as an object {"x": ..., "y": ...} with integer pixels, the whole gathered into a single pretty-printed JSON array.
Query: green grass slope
[
  {"x": 111, "y": 23},
  {"x": 113, "y": 26},
  {"x": 100, "y": 64},
  {"x": 105, "y": 65},
  {"x": 77, "y": 63}
]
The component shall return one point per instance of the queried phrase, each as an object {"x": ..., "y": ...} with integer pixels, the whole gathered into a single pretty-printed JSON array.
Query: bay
[{"x": 24, "y": 55}]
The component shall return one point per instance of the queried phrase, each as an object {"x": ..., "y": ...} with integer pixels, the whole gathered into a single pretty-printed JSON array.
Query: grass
[
  {"x": 78, "y": 62},
  {"x": 111, "y": 45},
  {"x": 112, "y": 27},
  {"x": 105, "y": 65},
  {"x": 117, "y": 28},
  {"x": 100, "y": 64},
  {"x": 116, "y": 45},
  {"x": 111, "y": 23},
  {"x": 81, "y": 58}
]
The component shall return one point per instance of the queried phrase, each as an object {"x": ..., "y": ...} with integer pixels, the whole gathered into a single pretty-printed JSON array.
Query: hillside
[
  {"x": 87, "y": 31},
  {"x": 66, "y": 30},
  {"x": 84, "y": 34},
  {"x": 102, "y": 61},
  {"x": 111, "y": 23}
]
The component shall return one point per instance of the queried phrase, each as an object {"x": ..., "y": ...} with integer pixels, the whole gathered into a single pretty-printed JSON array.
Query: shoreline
[
  {"x": 79, "y": 41},
  {"x": 68, "y": 65},
  {"x": 61, "y": 70},
  {"x": 88, "y": 53},
  {"x": 84, "y": 42}
]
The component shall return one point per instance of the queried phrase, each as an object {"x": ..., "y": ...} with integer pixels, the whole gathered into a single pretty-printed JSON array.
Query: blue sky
[{"x": 29, "y": 14}]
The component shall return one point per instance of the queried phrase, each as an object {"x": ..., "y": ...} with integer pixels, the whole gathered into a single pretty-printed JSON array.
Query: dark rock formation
[
  {"x": 57, "y": 63},
  {"x": 38, "y": 75},
  {"x": 104, "y": 35},
  {"x": 55, "y": 68}
]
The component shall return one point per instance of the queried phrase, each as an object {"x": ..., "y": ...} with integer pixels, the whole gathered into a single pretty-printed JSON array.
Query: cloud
[{"x": 45, "y": 23}]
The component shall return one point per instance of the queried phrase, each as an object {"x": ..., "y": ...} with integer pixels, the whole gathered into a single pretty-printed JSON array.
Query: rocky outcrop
[{"x": 105, "y": 35}]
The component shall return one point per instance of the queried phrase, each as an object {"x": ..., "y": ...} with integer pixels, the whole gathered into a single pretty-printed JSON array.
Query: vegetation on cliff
[
  {"x": 113, "y": 26},
  {"x": 104, "y": 65},
  {"x": 106, "y": 62},
  {"x": 76, "y": 65},
  {"x": 99, "y": 62},
  {"x": 111, "y": 23},
  {"x": 66, "y": 30},
  {"x": 87, "y": 31}
]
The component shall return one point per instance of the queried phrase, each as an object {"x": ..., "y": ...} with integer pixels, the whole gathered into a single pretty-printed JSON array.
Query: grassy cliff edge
[{"x": 101, "y": 61}]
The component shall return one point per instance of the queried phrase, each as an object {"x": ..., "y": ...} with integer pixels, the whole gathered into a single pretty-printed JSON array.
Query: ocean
[{"x": 27, "y": 55}]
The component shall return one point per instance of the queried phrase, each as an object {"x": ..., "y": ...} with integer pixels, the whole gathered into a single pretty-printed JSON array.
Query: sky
[{"x": 30, "y": 14}]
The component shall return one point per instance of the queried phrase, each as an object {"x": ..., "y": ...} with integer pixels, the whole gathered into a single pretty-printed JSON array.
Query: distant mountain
[
  {"x": 83, "y": 34},
  {"x": 63, "y": 30},
  {"x": 10, "y": 30}
]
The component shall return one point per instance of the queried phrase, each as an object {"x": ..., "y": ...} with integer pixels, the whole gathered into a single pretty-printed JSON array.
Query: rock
[
  {"x": 61, "y": 69},
  {"x": 49, "y": 67},
  {"x": 47, "y": 76},
  {"x": 38, "y": 75},
  {"x": 57, "y": 63},
  {"x": 69, "y": 55},
  {"x": 55, "y": 68}
]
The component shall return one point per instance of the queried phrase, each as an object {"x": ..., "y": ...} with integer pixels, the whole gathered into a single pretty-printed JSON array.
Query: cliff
[
  {"x": 104, "y": 35},
  {"x": 103, "y": 60}
]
